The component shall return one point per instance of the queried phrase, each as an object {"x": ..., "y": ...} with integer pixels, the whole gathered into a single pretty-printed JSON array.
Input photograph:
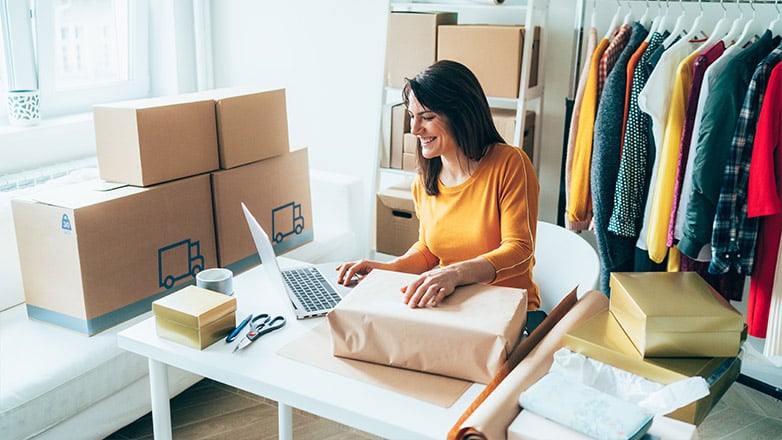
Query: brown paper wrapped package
[
  {"x": 490, "y": 420},
  {"x": 467, "y": 336}
]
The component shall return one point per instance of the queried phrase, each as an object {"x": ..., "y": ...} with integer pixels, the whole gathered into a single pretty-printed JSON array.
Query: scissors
[{"x": 259, "y": 326}]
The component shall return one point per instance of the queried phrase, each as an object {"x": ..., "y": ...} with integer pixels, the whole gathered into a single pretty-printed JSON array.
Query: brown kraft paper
[
  {"x": 490, "y": 420},
  {"x": 468, "y": 336}
]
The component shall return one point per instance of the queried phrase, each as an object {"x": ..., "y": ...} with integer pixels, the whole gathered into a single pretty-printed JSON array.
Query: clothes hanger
[
  {"x": 735, "y": 28},
  {"x": 655, "y": 23},
  {"x": 776, "y": 25},
  {"x": 695, "y": 29},
  {"x": 594, "y": 14},
  {"x": 614, "y": 22},
  {"x": 720, "y": 29},
  {"x": 629, "y": 15},
  {"x": 645, "y": 20},
  {"x": 677, "y": 28},
  {"x": 752, "y": 29}
]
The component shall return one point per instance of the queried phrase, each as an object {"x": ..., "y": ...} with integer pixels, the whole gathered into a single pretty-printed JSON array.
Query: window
[
  {"x": 77, "y": 52},
  {"x": 91, "y": 51}
]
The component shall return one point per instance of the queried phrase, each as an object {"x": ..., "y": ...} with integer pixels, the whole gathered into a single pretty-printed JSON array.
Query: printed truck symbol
[
  {"x": 179, "y": 260},
  {"x": 286, "y": 220}
]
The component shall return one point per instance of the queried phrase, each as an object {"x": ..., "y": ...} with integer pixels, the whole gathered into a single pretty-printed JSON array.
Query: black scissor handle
[{"x": 267, "y": 326}]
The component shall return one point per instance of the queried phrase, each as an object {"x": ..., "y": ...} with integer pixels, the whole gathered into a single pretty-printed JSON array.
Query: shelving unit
[{"x": 530, "y": 14}]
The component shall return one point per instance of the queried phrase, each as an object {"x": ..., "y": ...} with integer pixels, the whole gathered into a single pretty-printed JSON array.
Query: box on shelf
[
  {"x": 410, "y": 143},
  {"x": 94, "y": 255},
  {"x": 149, "y": 141},
  {"x": 277, "y": 192},
  {"x": 469, "y": 335},
  {"x": 675, "y": 314},
  {"x": 194, "y": 317},
  {"x": 397, "y": 223},
  {"x": 410, "y": 161},
  {"x": 400, "y": 125},
  {"x": 492, "y": 52},
  {"x": 505, "y": 121},
  {"x": 602, "y": 338},
  {"x": 250, "y": 126},
  {"x": 412, "y": 43}
]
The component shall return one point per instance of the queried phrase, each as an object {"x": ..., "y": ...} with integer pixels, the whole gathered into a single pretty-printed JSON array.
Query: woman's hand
[
  {"x": 431, "y": 287},
  {"x": 354, "y": 270}
]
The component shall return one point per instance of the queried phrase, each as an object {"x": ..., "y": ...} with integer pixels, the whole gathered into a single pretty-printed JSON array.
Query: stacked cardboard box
[
  {"x": 98, "y": 253},
  {"x": 666, "y": 327},
  {"x": 397, "y": 223}
]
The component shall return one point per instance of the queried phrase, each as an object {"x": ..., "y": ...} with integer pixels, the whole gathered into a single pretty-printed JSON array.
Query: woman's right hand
[{"x": 354, "y": 270}]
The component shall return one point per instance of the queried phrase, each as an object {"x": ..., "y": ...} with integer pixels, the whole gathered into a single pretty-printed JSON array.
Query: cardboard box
[
  {"x": 400, "y": 125},
  {"x": 397, "y": 223},
  {"x": 94, "y": 255},
  {"x": 492, "y": 52},
  {"x": 410, "y": 161},
  {"x": 277, "y": 192},
  {"x": 505, "y": 121},
  {"x": 601, "y": 338},
  {"x": 250, "y": 126},
  {"x": 410, "y": 143},
  {"x": 194, "y": 317},
  {"x": 469, "y": 335},
  {"x": 412, "y": 43},
  {"x": 675, "y": 314},
  {"x": 155, "y": 140}
]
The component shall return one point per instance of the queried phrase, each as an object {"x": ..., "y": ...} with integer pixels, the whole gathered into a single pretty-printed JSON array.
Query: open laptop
[{"x": 309, "y": 291}]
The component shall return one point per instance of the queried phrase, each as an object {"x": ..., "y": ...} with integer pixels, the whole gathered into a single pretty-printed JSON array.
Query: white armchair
[{"x": 563, "y": 259}]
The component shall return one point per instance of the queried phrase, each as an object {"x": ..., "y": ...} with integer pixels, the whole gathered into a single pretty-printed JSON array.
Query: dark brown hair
[{"x": 451, "y": 89}]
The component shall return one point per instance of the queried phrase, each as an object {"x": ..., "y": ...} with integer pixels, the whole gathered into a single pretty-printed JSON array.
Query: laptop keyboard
[{"x": 313, "y": 291}]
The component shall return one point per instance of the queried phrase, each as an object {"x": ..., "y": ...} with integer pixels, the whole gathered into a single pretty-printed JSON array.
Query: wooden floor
[{"x": 210, "y": 410}]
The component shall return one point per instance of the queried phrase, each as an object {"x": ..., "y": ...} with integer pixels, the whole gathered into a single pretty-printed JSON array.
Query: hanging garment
[
  {"x": 574, "y": 119},
  {"x": 633, "y": 177},
  {"x": 772, "y": 348},
  {"x": 703, "y": 61},
  {"x": 616, "y": 253},
  {"x": 662, "y": 192},
  {"x": 718, "y": 124},
  {"x": 579, "y": 208},
  {"x": 764, "y": 193},
  {"x": 734, "y": 234},
  {"x": 631, "y": 64},
  {"x": 709, "y": 81},
  {"x": 608, "y": 59},
  {"x": 730, "y": 285}
]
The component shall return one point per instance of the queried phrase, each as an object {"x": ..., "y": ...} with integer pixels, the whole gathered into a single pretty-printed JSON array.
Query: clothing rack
[{"x": 578, "y": 35}]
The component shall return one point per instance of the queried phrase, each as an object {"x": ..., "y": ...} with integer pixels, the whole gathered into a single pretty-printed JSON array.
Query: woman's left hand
[{"x": 429, "y": 289}]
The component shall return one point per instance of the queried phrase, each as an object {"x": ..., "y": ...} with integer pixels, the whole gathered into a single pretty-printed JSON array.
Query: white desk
[{"x": 261, "y": 371}]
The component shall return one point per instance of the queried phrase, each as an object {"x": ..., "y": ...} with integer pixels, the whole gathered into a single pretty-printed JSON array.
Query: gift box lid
[
  {"x": 602, "y": 338},
  {"x": 674, "y": 314},
  {"x": 194, "y": 307}
]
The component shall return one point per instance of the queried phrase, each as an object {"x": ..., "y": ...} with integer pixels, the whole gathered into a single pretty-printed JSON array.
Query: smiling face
[{"x": 432, "y": 129}]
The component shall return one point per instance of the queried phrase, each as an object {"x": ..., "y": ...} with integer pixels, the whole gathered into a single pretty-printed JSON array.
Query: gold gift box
[
  {"x": 602, "y": 338},
  {"x": 675, "y": 314},
  {"x": 194, "y": 317}
]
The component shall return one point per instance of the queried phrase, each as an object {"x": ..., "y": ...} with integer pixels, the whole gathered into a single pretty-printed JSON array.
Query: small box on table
[
  {"x": 675, "y": 314},
  {"x": 194, "y": 316}
]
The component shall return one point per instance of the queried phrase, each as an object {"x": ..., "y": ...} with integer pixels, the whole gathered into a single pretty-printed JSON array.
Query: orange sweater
[{"x": 492, "y": 214}]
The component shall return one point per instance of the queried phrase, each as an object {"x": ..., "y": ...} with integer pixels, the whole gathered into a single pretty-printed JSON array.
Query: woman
[{"x": 476, "y": 197}]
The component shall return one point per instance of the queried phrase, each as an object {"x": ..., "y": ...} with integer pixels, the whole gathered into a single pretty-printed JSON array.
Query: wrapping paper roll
[{"x": 491, "y": 418}]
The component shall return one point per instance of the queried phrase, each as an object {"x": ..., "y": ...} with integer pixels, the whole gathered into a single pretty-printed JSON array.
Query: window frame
[{"x": 77, "y": 100}]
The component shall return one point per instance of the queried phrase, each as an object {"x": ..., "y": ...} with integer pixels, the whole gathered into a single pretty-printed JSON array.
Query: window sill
[{"x": 51, "y": 141}]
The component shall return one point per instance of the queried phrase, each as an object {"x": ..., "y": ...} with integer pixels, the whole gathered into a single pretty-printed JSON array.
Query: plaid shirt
[
  {"x": 612, "y": 52},
  {"x": 734, "y": 235}
]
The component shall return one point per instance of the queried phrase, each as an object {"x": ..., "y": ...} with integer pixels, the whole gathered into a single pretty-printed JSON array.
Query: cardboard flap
[
  {"x": 397, "y": 198},
  {"x": 84, "y": 193}
]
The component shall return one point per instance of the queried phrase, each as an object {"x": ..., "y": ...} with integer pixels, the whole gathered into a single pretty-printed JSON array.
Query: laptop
[{"x": 310, "y": 292}]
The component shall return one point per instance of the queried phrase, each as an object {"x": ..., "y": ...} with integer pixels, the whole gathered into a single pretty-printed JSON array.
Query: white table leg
[
  {"x": 161, "y": 407},
  {"x": 285, "y": 421}
]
